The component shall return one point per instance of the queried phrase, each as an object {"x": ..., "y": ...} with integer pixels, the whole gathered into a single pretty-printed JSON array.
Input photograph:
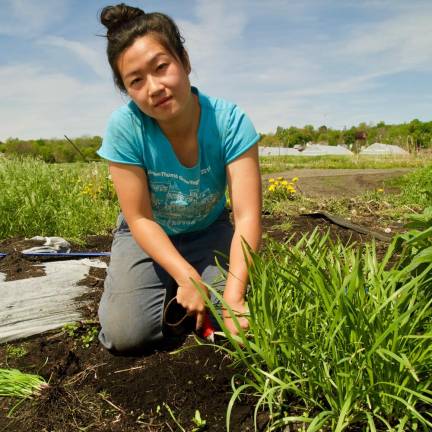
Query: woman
[{"x": 172, "y": 151}]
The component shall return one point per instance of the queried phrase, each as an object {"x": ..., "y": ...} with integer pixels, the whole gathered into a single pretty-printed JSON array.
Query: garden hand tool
[{"x": 207, "y": 330}]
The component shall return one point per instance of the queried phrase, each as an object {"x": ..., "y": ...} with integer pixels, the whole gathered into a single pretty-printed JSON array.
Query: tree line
[
  {"x": 414, "y": 135},
  {"x": 54, "y": 150},
  {"x": 410, "y": 136}
]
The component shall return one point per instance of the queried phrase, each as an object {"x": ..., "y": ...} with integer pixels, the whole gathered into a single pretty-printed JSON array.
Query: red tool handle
[{"x": 207, "y": 330}]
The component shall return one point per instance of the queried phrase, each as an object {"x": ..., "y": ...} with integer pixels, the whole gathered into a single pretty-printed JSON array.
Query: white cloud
[
  {"x": 41, "y": 104},
  {"x": 402, "y": 41},
  {"x": 212, "y": 38}
]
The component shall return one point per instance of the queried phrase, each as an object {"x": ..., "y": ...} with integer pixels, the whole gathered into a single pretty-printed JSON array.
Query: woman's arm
[
  {"x": 244, "y": 182},
  {"x": 130, "y": 183}
]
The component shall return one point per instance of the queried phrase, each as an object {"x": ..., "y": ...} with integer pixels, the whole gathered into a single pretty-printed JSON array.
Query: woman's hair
[{"x": 126, "y": 23}]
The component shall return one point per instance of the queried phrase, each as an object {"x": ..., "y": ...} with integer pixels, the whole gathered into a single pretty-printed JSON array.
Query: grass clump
[
  {"x": 14, "y": 383},
  {"x": 339, "y": 339},
  {"x": 68, "y": 200},
  {"x": 413, "y": 196},
  {"x": 416, "y": 188},
  {"x": 271, "y": 164}
]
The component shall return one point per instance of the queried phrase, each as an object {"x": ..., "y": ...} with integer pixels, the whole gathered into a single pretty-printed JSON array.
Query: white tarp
[
  {"x": 378, "y": 149},
  {"x": 324, "y": 150},
  {"x": 35, "y": 305}
]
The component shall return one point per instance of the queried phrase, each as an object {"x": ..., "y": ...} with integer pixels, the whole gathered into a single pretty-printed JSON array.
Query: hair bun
[{"x": 114, "y": 17}]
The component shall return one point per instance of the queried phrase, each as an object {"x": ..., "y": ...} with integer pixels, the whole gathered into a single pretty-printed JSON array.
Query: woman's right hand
[{"x": 189, "y": 296}]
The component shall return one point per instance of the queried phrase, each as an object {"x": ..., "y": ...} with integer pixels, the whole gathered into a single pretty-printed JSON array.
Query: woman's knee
[
  {"x": 128, "y": 325},
  {"x": 121, "y": 340}
]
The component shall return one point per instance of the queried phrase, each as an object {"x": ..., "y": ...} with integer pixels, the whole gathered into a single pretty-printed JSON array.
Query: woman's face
[{"x": 154, "y": 79}]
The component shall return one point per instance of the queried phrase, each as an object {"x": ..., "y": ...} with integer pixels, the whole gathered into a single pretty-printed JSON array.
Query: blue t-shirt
[{"x": 183, "y": 199}]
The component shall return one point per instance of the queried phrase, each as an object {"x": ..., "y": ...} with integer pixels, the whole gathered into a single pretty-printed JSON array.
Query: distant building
[
  {"x": 325, "y": 150},
  {"x": 380, "y": 149}
]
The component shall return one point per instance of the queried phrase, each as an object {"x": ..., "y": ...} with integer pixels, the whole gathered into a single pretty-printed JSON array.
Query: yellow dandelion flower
[
  {"x": 285, "y": 183},
  {"x": 280, "y": 178},
  {"x": 271, "y": 180},
  {"x": 271, "y": 188},
  {"x": 294, "y": 179}
]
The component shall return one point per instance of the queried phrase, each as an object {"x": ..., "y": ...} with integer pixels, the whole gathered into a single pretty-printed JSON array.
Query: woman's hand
[
  {"x": 189, "y": 296},
  {"x": 238, "y": 307}
]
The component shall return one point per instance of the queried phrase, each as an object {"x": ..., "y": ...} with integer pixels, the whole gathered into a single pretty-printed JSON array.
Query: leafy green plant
[
  {"x": 199, "y": 422},
  {"x": 337, "y": 338},
  {"x": 15, "y": 351},
  {"x": 86, "y": 331},
  {"x": 416, "y": 244}
]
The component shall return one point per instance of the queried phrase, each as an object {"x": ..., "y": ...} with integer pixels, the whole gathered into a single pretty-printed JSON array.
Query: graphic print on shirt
[{"x": 178, "y": 202}]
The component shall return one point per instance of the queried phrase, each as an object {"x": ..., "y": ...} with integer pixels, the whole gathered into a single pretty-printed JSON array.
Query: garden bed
[{"x": 91, "y": 388}]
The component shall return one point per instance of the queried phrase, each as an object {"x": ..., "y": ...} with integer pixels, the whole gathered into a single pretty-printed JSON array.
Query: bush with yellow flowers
[{"x": 281, "y": 189}]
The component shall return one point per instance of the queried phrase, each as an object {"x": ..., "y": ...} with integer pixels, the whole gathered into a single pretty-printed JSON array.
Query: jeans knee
[
  {"x": 125, "y": 329},
  {"x": 122, "y": 340}
]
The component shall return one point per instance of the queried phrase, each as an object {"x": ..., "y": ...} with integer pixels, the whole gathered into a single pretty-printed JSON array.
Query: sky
[{"x": 284, "y": 62}]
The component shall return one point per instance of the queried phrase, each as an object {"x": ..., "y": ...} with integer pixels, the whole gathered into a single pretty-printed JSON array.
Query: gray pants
[{"x": 137, "y": 289}]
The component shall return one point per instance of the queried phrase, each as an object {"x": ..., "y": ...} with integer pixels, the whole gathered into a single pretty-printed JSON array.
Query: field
[{"x": 339, "y": 309}]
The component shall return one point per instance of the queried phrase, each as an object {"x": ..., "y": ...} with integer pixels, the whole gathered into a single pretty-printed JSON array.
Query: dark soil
[{"x": 92, "y": 390}]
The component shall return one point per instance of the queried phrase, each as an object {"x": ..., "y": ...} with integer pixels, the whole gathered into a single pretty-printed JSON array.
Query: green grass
[
  {"x": 415, "y": 194},
  {"x": 415, "y": 187},
  {"x": 67, "y": 200},
  {"x": 338, "y": 338},
  {"x": 272, "y": 164}
]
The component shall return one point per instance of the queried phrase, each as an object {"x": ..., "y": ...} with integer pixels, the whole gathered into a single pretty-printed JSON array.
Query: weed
[
  {"x": 199, "y": 422},
  {"x": 15, "y": 351},
  {"x": 86, "y": 331}
]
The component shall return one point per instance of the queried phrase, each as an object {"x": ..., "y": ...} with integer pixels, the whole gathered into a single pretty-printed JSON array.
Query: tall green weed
[
  {"x": 68, "y": 200},
  {"x": 415, "y": 188},
  {"x": 339, "y": 340}
]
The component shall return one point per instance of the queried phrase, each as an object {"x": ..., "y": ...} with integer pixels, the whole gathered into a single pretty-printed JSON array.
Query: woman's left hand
[{"x": 240, "y": 310}]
